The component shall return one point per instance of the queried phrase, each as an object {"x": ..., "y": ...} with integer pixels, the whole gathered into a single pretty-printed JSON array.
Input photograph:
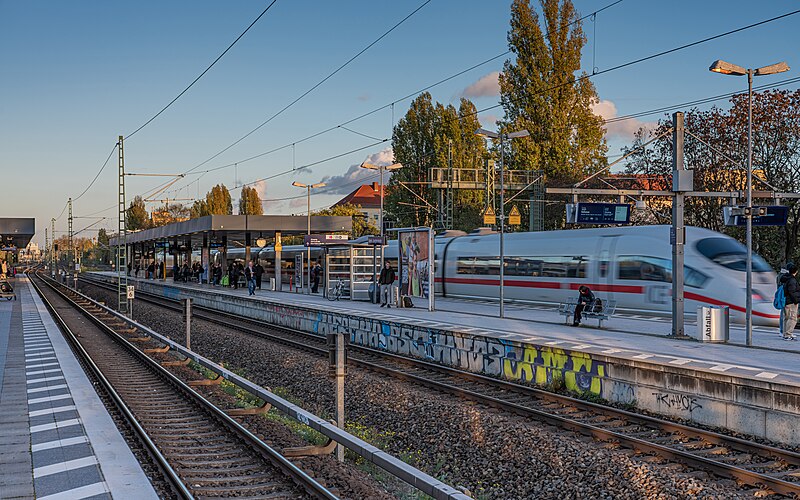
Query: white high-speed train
[{"x": 632, "y": 265}]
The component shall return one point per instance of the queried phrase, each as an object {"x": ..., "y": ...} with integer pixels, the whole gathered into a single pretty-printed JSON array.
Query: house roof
[{"x": 366, "y": 195}]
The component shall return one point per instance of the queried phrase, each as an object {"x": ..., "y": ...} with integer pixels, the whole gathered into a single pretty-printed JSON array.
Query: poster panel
[{"x": 415, "y": 263}]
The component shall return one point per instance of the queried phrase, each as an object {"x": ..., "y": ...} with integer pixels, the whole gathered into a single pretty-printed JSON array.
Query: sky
[{"x": 76, "y": 75}]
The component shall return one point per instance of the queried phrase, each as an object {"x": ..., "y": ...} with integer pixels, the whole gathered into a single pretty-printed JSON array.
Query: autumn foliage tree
[
  {"x": 136, "y": 217},
  {"x": 430, "y": 135},
  {"x": 217, "y": 202},
  {"x": 250, "y": 202},
  {"x": 542, "y": 91},
  {"x": 361, "y": 225},
  {"x": 716, "y": 151}
]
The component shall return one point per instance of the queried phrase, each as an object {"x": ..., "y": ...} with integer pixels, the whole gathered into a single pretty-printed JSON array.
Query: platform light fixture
[
  {"x": 726, "y": 68},
  {"x": 381, "y": 168},
  {"x": 502, "y": 137},
  {"x": 308, "y": 188}
]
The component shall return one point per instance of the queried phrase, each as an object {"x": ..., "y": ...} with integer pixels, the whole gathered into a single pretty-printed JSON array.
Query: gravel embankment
[{"x": 491, "y": 453}]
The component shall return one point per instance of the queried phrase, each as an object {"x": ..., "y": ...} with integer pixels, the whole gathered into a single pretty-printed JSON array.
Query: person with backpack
[
  {"x": 780, "y": 297},
  {"x": 791, "y": 290},
  {"x": 585, "y": 298}
]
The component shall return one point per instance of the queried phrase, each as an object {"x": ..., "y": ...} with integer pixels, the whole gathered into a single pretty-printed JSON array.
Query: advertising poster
[{"x": 414, "y": 263}]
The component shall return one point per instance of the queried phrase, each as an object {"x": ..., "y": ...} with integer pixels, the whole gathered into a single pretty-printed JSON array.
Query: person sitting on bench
[{"x": 585, "y": 298}]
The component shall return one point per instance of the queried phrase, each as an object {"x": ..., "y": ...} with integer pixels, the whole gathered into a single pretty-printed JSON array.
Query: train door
[{"x": 605, "y": 267}]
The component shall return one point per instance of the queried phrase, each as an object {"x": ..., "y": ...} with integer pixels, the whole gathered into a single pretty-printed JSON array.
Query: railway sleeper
[
  {"x": 227, "y": 491},
  {"x": 188, "y": 458},
  {"x": 238, "y": 461},
  {"x": 139, "y": 339},
  {"x": 311, "y": 450}
]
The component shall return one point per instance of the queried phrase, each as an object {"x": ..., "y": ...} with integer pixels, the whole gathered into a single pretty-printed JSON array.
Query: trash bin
[{"x": 713, "y": 324}]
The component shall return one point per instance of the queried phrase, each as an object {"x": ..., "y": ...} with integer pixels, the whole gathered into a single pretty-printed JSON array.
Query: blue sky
[{"x": 75, "y": 75}]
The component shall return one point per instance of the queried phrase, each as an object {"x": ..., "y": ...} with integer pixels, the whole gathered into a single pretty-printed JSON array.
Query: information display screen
[
  {"x": 777, "y": 215},
  {"x": 603, "y": 213}
]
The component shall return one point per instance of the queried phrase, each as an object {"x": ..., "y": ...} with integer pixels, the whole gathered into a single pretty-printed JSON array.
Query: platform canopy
[
  {"x": 235, "y": 228},
  {"x": 16, "y": 232}
]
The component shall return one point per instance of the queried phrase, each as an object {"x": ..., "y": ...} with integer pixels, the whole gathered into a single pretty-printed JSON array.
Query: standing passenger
[
  {"x": 250, "y": 277},
  {"x": 585, "y": 297},
  {"x": 792, "y": 291},
  {"x": 781, "y": 274},
  {"x": 386, "y": 281},
  {"x": 316, "y": 276},
  {"x": 235, "y": 275},
  {"x": 259, "y": 270}
]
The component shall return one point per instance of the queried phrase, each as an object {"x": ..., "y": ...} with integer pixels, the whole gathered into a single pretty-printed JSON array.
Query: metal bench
[{"x": 591, "y": 311}]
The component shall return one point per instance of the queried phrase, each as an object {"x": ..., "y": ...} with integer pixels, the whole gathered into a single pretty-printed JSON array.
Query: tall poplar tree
[
  {"x": 541, "y": 92},
  {"x": 250, "y": 202}
]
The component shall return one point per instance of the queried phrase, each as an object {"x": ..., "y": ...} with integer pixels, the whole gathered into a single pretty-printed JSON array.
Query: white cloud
[
  {"x": 488, "y": 120},
  {"x": 347, "y": 182},
  {"x": 623, "y": 129},
  {"x": 486, "y": 86},
  {"x": 261, "y": 188}
]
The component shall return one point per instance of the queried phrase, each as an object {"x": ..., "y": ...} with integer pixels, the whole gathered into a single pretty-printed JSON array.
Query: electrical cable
[
  {"x": 98, "y": 173},
  {"x": 317, "y": 85},
  {"x": 203, "y": 73},
  {"x": 391, "y": 104}
]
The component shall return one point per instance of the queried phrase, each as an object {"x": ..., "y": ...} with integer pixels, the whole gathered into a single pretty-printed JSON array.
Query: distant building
[{"x": 368, "y": 197}]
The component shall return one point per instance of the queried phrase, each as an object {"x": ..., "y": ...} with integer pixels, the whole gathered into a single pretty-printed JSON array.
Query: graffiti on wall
[
  {"x": 543, "y": 365},
  {"x": 676, "y": 401}
]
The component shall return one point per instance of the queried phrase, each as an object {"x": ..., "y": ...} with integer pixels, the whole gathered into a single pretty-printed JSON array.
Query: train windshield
[{"x": 731, "y": 254}]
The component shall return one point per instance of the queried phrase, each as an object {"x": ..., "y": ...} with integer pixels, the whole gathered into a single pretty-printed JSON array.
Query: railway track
[
  {"x": 201, "y": 451},
  {"x": 774, "y": 469}
]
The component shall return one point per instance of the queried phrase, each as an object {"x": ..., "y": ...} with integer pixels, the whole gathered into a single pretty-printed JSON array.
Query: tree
[
  {"x": 361, "y": 225},
  {"x": 250, "y": 202},
  {"x": 217, "y": 202},
  {"x": 716, "y": 150},
  {"x": 170, "y": 213},
  {"x": 136, "y": 217},
  {"x": 429, "y": 135},
  {"x": 539, "y": 92},
  {"x": 102, "y": 242}
]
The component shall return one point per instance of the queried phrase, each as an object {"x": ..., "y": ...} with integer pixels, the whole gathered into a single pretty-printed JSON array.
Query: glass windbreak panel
[
  {"x": 549, "y": 266},
  {"x": 730, "y": 253},
  {"x": 643, "y": 268}
]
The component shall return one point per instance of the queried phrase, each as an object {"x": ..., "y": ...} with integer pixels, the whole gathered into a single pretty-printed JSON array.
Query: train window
[
  {"x": 550, "y": 266},
  {"x": 636, "y": 267},
  {"x": 730, "y": 253}
]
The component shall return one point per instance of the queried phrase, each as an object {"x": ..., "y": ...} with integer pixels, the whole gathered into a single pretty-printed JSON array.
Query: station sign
[
  {"x": 130, "y": 292},
  {"x": 162, "y": 244},
  {"x": 215, "y": 244},
  {"x": 599, "y": 213},
  {"x": 773, "y": 215},
  {"x": 376, "y": 240},
  {"x": 319, "y": 240}
]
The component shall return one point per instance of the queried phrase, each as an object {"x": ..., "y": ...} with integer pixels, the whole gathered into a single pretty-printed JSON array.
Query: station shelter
[
  {"x": 194, "y": 239},
  {"x": 15, "y": 233}
]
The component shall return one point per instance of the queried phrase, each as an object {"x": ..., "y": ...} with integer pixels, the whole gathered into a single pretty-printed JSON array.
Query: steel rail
[
  {"x": 167, "y": 471},
  {"x": 416, "y": 478},
  {"x": 298, "y": 476},
  {"x": 693, "y": 460}
]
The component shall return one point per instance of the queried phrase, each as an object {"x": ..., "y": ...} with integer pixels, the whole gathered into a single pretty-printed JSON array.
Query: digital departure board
[
  {"x": 603, "y": 213},
  {"x": 776, "y": 215}
]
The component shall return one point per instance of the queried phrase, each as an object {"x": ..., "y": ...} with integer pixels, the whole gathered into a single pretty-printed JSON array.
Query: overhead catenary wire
[
  {"x": 314, "y": 87},
  {"x": 607, "y": 70},
  {"x": 204, "y": 71},
  {"x": 385, "y": 106}
]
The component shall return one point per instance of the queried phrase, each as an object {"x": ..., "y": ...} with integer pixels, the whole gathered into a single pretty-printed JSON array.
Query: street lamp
[
  {"x": 503, "y": 137},
  {"x": 727, "y": 68},
  {"x": 393, "y": 166},
  {"x": 308, "y": 188}
]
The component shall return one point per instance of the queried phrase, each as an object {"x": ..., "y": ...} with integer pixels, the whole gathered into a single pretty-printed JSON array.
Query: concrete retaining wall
[{"x": 760, "y": 408}]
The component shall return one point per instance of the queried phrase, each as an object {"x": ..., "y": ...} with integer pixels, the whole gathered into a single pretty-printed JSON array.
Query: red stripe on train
[{"x": 598, "y": 287}]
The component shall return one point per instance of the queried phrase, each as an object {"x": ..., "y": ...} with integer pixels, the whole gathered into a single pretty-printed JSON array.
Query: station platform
[
  {"x": 631, "y": 360},
  {"x": 57, "y": 441}
]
